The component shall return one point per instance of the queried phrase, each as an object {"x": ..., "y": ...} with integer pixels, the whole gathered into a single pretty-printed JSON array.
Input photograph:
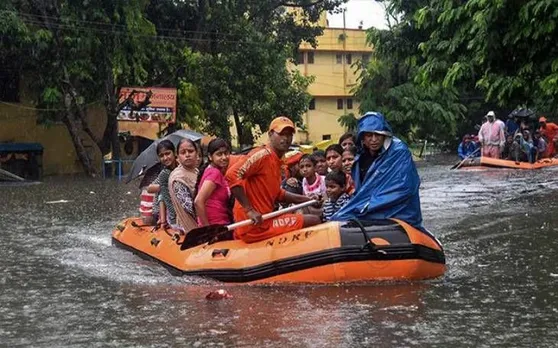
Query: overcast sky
[{"x": 370, "y": 12}]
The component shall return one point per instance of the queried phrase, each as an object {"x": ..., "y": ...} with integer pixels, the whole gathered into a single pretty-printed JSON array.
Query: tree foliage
[
  {"x": 224, "y": 57},
  {"x": 505, "y": 47}
]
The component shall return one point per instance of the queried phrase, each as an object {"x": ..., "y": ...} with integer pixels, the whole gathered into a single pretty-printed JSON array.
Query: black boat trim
[{"x": 316, "y": 259}]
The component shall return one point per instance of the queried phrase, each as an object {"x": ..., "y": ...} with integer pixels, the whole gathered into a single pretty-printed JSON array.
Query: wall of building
[{"x": 18, "y": 123}]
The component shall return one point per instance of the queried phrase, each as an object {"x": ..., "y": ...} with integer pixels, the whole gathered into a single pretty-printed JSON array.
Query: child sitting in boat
[
  {"x": 321, "y": 163},
  {"x": 313, "y": 184},
  {"x": 167, "y": 157},
  {"x": 213, "y": 193},
  {"x": 336, "y": 195},
  {"x": 334, "y": 158}
]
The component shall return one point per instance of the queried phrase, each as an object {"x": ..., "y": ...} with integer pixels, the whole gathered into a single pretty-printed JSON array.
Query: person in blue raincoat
[
  {"x": 467, "y": 147},
  {"x": 385, "y": 176}
]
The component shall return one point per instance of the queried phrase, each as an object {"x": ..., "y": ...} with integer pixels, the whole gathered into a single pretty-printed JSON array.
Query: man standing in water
[
  {"x": 491, "y": 136},
  {"x": 385, "y": 176},
  {"x": 255, "y": 182}
]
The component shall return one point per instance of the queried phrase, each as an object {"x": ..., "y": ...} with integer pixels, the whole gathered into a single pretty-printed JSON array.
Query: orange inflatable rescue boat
[
  {"x": 484, "y": 162},
  {"x": 333, "y": 252}
]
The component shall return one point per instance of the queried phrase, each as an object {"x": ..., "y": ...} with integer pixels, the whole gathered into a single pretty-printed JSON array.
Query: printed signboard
[{"x": 162, "y": 108}]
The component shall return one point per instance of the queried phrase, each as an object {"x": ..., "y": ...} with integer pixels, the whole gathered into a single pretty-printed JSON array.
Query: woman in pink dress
[{"x": 213, "y": 194}]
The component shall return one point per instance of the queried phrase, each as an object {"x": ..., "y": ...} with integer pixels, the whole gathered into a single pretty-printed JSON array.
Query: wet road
[{"x": 62, "y": 283}]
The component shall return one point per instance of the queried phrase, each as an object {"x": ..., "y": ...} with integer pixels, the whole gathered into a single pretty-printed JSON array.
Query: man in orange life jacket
[{"x": 255, "y": 182}]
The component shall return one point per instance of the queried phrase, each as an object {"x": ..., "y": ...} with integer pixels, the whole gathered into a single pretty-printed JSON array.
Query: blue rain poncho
[{"x": 390, "y": 188}]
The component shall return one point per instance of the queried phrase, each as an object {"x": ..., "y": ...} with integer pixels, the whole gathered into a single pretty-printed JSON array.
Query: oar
[
  {"x": 206, "y": 234},
  {"x": 458, "y": 165}
]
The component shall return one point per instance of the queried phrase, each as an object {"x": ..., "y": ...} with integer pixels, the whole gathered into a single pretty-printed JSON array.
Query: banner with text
[{"x": 161, "y": 109}]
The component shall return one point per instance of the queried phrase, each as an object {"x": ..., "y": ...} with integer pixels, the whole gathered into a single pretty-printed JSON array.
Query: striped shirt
[
  {"x": 331, "y": 207},
  {"x": 164, "y": 195}
]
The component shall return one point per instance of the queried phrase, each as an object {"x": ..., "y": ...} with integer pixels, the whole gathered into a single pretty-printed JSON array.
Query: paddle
[
  {"x": 458, "y": 165},
  {"x": 210, "y": 233}
]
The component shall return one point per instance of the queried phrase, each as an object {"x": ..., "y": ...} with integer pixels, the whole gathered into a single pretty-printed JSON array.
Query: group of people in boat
[
  {"x": 367, "y": 176},
  {"x": 517, "y": 139}
]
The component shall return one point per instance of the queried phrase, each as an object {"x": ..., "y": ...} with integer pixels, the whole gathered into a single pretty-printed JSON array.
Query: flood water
[{"x": 62, "y": 283}]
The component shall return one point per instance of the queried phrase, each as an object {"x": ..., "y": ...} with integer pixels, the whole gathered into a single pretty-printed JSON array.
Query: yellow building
[{"x": 334, "y": 65}]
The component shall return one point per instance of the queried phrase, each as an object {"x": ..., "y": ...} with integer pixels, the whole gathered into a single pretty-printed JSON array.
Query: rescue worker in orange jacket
[
  {"x": 255, "y": 182},
  {"x": 549, "y": 130}
]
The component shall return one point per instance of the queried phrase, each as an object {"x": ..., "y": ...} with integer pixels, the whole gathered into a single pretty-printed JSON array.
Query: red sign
[{"x": 161, "y": 109}]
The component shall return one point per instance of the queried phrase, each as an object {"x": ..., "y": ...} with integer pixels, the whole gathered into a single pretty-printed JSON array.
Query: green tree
[
  {"x": 348, "y": 121},
  {"x": 504, "y": 48},
  {"x": 388, "y": 83}
]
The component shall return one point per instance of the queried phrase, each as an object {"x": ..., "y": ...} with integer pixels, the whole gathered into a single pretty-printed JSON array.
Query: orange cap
[
  {"x": 280, "y": 123},
  {"x": 542, "y": 119}
]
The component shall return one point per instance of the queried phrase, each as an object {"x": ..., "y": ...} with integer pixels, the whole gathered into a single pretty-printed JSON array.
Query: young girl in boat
[
  {"x": 182, "y": 184},
  {"x": 321, "y": 163},
  {"x": 336, "y": 195},
  {"x": 334, "y": 157},
  {"x": 213, "y": 193},
  {"x": 167, "y": 157},
  {"x": 313, "y": 184}
]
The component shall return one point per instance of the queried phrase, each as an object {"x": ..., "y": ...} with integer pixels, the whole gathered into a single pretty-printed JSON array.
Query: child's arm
[{"x": 162, "y": 215}]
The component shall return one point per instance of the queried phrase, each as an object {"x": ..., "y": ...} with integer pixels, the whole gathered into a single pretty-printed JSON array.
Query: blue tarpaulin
[{"x": 390, "y": 188}]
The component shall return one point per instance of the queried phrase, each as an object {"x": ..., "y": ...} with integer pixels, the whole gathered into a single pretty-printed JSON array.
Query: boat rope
[{"x": 368, "y": 244}]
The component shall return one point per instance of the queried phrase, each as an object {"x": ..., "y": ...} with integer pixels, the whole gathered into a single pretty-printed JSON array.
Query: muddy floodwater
[{"x": 62, "y": 283}]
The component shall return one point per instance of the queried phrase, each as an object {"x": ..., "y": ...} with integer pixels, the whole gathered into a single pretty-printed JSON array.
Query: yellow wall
[{"x": 18, "y": 123}]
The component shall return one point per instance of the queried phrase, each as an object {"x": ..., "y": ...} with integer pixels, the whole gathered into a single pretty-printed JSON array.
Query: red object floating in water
[{"x": 218, "y": 295}]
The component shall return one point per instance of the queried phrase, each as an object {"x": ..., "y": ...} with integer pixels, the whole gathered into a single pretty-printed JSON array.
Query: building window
[
  {"x": 326, "y": 137},
  {"x": 349, "y": 103},
  {"x": 339, "y": 58},
  {"x": 300, "y": 58},
  {"x": 349, "y": 59},
  {"x": 365, "y": 58},
  {"x": 310, "y": 57},
  {"x": 339, "y": 104},
  {"x": 312, "y": 104}
]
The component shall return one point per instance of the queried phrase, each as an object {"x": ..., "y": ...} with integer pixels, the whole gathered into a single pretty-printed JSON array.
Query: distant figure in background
[
  {"x": 549, "y": 131},
  {"x": 527, "y": 150},
  {"x": 512, "y": 125},
  {"x": 540, "y": 145},
  {"x": 499, "y": 122},
  {"x": 466, "y": 148},
  {"x": 491, "y": 137},
  {"x": 509, "y": 147}
]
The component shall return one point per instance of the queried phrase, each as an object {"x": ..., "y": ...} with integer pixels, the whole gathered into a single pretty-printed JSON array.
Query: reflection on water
[{"x": 62, "y": 283}]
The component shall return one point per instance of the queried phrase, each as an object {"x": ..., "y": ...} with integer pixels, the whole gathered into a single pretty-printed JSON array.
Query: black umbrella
[
  {"x": 148, "y": 158},
  {"x": 522, "y": 113}
]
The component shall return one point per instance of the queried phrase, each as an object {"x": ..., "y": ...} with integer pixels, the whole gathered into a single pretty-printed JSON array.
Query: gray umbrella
[{"x": 148, "y": 158}]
